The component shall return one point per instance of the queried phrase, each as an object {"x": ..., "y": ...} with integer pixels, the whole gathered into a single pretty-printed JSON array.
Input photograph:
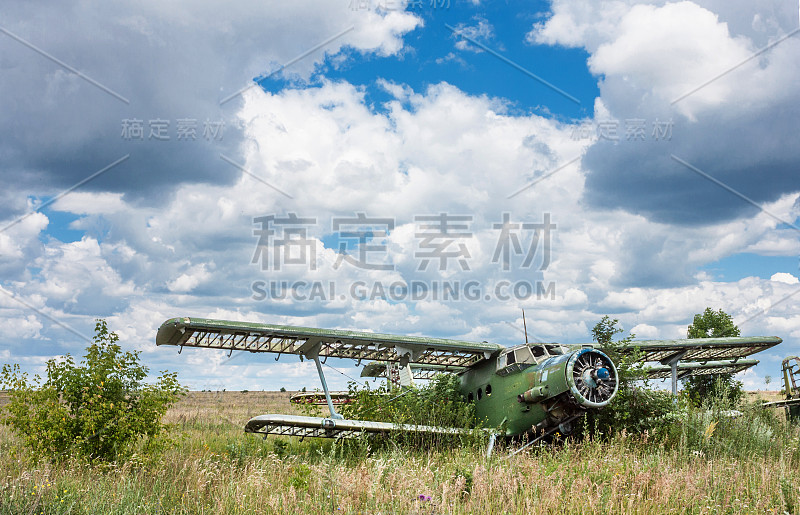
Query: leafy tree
[
  {"x": 603, "y": 332},
  {"x": 96, "y": 410},
  {"x": 634, "y": 408},
  {"x": 713, "y": 324},
  {"x": 622, "y": 352}
]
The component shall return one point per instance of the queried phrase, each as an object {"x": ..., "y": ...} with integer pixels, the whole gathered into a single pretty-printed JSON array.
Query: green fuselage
[{"x": 499, "y": 388}]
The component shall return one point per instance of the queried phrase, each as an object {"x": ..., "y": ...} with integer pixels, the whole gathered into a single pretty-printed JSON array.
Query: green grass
[{"x": 746, "y": 465}]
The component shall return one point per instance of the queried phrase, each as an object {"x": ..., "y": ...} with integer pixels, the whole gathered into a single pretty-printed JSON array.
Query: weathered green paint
[{"x": 503, "y": 406}]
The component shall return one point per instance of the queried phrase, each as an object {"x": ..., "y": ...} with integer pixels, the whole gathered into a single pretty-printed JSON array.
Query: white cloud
[
  {"x": 188, "y": 281},
  {"x": 481, "y": 31},
  {"x": 696, "y": 66},
  {"x": 25, "y": 326},
  {"x": 90, "y": 203},
  {"x": 644, "y": 331},
  {"x": 670, "y": 50},
  {"x": 783, "y": 277}
]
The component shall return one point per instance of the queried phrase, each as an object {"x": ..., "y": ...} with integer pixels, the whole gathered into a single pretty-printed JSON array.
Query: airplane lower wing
[
  {"x": 700, "y": 368},
  {"x": 318, "y": 427},
  {"x": 781, "y": 404}
]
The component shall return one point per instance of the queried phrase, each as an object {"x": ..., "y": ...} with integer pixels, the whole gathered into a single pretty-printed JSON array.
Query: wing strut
[
  {"x": 673, "y": 363},
  {"x": 313, "y": 353}
]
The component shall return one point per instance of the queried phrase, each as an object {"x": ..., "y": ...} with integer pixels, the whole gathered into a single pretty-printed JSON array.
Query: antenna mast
[{"x": 525, "y": 325}]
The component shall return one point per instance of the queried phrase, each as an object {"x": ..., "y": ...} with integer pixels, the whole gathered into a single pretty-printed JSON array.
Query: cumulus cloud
[
  {"x": 159, "y": 86},
  {"x": 688, "y": 66},
  {"x": 783, "y": 277},
  {"x": 336, "y": 156}
]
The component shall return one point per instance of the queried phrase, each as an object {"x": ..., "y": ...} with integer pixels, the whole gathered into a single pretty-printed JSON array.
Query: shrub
[
  {"x": 636, "y": 408},
  {"x": 716, "y": 387},
  {"x": 438, "y": 403},
  {"x": 94, "y": 411}
]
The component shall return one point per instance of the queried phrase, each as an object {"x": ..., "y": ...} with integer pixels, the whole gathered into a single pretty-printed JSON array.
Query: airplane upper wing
[
  {"x": 699, "y": 356},
  {"x": 254, "y": 337},
  {"x": 700, "y": 349},
  {"x": 710, "y": 355}
]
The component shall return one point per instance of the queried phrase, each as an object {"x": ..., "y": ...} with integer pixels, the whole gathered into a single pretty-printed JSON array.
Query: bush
[
  {"x": 438, "y": 403},
  {"x": 717, "y": 386},
  {"x": 94, "y": 411},
  {"x": 633, "y": 410},
  {"x": 636, "y": 408}
]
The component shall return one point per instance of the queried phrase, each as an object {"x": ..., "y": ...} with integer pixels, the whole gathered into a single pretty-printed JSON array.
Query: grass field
[{"x": 707, "y": 466}]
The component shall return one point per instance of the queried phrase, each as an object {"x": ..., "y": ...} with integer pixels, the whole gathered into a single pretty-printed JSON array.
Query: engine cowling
[{"x": 592, "y": 378}]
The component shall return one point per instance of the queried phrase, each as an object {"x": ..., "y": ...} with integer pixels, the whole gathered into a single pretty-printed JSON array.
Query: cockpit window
[
  {"x": 516, "y": 359},
  {"x": 524, "y": 355}
]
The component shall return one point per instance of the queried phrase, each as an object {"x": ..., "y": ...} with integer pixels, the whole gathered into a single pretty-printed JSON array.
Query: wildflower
[{"x": 423, "y": 497}]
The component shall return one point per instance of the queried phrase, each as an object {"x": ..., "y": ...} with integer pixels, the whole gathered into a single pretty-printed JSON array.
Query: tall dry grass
[{"x": 213, "y": 467}]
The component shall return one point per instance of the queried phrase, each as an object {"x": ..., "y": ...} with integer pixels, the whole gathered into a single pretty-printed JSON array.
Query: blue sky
[
  {"x": 671, "y": 182},
  {"x": 432, "y": 58}
]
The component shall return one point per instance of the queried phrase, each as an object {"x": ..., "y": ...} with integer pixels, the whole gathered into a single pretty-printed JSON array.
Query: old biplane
[
  {"x": 790, "y": 367},
  {"x": 532, "y": 387}
]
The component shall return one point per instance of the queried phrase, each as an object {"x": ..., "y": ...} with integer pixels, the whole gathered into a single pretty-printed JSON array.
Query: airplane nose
[{"x": 592, "y": 378}]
